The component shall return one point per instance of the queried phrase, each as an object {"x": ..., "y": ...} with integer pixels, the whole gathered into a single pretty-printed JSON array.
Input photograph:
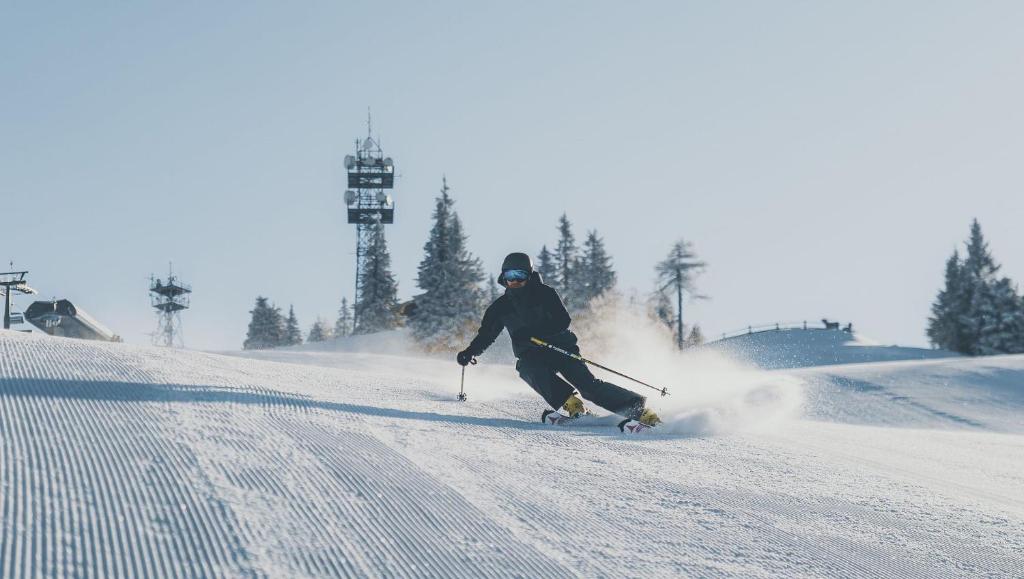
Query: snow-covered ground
[
  {"x": 117, "y": 460},
  {"x": 798, "y": 348}
]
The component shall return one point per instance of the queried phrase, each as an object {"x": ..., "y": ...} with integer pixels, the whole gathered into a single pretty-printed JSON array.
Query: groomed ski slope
[{"x": 118, "y": 460}]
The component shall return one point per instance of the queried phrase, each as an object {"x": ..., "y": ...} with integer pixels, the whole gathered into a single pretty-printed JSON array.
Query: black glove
[{"x": 464, "y": 357}]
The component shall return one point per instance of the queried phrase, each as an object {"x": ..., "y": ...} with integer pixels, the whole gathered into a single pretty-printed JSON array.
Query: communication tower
[
  {"x": 169, "y": 298},
  {"x": 370, "y": 176}
]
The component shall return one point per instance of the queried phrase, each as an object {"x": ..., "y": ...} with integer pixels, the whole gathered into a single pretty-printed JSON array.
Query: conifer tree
[
  {"x": 343, "y": 325},
  {"x": 945, "y": 329},
  {"x": 661, "y": 309},
  {"x": 979, "y": 261},
  {"x": 546, "y": 267},
  {"x": 594, "y": 274},
  {"x": 980, "y": 271},
  {"x": 494, "y": 290},
  {"x": 318, "y": 332},
  {"x": 377, "y": 309},
  {"x": 452, "y": 302},
  {"x": 280, "y": 329},
  {"x": 677, "y": 273},
  {"x": 1002, "y": 319},
  {"x": 696, "y": 337},
  {"x": 977, "y": 313},
  {"x": 266, "y": 328},
  {"x": 566, "y": 257},
  {"x": 292, "y": 333}
]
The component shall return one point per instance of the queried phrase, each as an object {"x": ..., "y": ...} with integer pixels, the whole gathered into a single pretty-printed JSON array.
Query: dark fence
[{"x": 780, "y": 326}]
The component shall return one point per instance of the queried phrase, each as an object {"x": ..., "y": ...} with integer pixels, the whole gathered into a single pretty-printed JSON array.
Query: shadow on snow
[{"x": 179, "y": 393}]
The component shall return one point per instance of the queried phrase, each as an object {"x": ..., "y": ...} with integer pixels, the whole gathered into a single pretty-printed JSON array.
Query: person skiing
[{"x": 531, "y": 309}]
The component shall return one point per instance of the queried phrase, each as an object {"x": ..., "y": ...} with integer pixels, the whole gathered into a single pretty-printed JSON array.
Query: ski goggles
[{"x": 516, "y": 275}]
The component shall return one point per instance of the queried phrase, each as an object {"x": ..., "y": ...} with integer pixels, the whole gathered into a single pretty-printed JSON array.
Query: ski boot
[
  {"x": 649, "y": 418},
  {"x": 643, "y": 419},
  {"x": 572, "y": 410},
  {"x": 574, "y": 407}
]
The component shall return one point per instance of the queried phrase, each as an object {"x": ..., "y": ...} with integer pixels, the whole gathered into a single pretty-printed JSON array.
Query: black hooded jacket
[{"x": 534, "y": 310}]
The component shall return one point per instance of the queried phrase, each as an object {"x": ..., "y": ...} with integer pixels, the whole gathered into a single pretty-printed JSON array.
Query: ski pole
[
  {"x": 539, "y": 342},
  {"x": 462, "y": 385}
]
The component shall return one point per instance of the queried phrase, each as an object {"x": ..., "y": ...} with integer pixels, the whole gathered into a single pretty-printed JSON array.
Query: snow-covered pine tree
[
  {"x": 677, "y": 273},
  {"x": 449, "y": 309},
  {"x": 945, "y": 329},
  {"x": 566, "y": 262},
  {"x": 979, "y": 261},
  {"x": 266, "y": 328},
  {"x": 292, "y": 333},
  {"x": 662, "y": 310},
  {"x": 977, "y": 313},
  {"x": 1019, "y": 315},
  {"x": 318, "y": 332},
  {"x": 1002, "y": 319},
  {"x": 594, "y": 273},
  {"x": 696, "y": 337},
  {"x": 494, "y": 290},
  {"x": 1020, "y": 335},
  {"x": 280, "y": 328},
  {"x": 546, "y": 267},
  {"x": 377, "y": 309},
  {"x": 566, "y": 256},
  {"x": 343, "y": 325},
  {"x": 980, "y": 270}
]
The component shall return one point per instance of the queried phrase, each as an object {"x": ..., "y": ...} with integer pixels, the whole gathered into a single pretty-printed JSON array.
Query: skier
[{"x": 531, "y": 309}]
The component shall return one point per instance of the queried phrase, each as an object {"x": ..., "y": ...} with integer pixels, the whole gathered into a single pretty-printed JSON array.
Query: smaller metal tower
[
  {"x": 169, "y": 298},
  {"x": 13, "y": 281}
]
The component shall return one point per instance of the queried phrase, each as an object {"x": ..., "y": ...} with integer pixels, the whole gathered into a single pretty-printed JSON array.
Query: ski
[
  {"x": 555, "y": 418},
  {"x": 627, "y": 426},
  {"x": 630, "y": 426}
]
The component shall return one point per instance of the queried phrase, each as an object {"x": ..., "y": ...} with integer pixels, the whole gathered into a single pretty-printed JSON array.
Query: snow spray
[{"x": 711, "y": 393}]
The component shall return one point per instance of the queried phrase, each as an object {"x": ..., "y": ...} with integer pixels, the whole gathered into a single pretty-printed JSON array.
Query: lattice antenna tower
[
  {"x": 169, "y": 297},
  {"x": 370, "y": 176}
]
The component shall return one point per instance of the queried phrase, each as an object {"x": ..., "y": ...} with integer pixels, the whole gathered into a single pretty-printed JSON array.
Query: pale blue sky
[{"x": 824, "y": 158}]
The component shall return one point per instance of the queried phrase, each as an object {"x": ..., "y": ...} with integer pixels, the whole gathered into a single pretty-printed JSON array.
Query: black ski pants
[{"x": 540, "y": 368}]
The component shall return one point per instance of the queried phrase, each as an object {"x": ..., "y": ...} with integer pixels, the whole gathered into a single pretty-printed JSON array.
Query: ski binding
[
  {"x": 630, "y": 426},
  {"x": 555, "y": 418}
]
